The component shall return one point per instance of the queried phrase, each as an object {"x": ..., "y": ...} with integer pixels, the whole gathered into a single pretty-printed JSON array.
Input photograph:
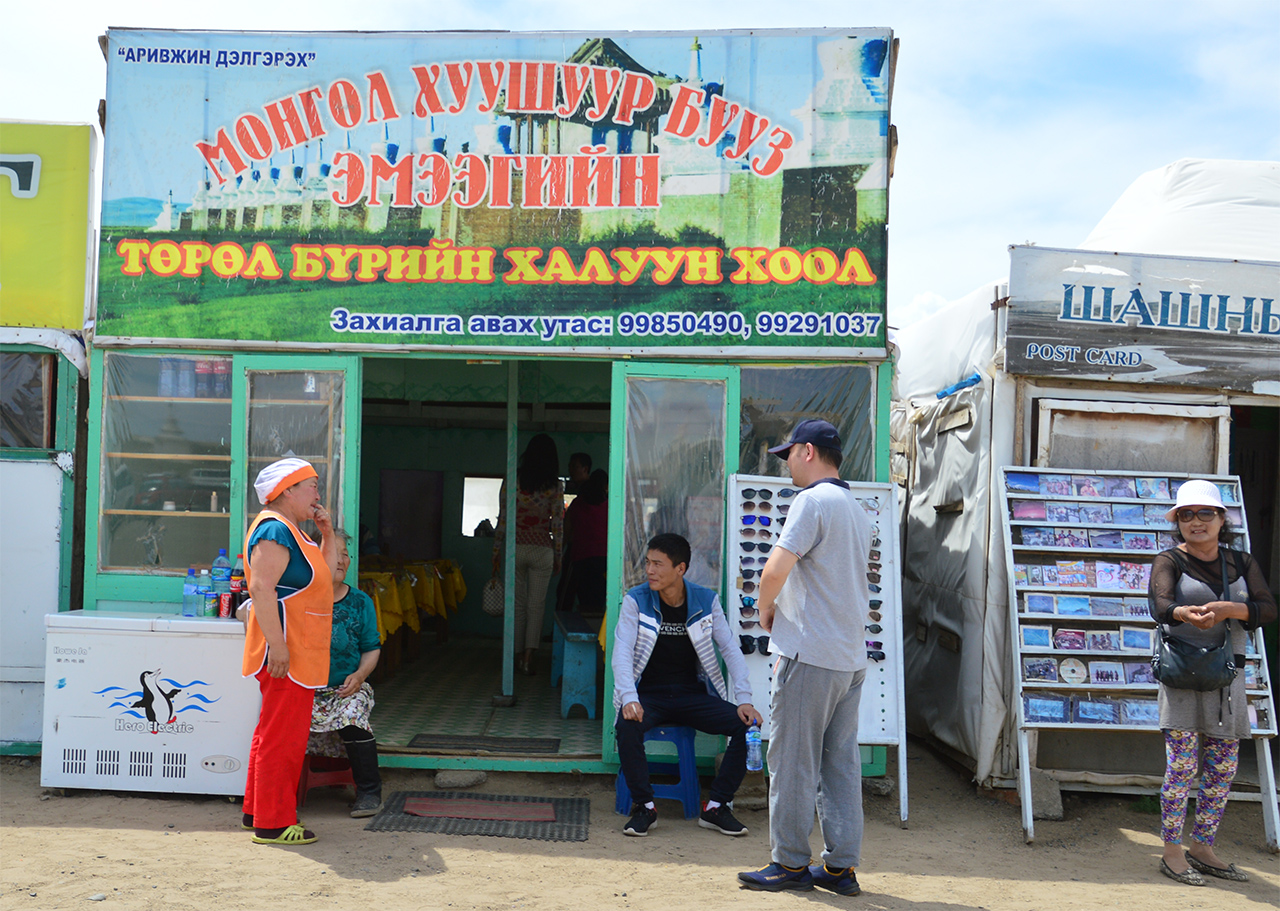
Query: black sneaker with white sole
[
  {"x": 722, "y": 820},
  {"x": 642, "y": 820}
]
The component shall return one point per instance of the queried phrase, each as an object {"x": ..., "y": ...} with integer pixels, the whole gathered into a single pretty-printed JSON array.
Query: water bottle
[
  {"x": 221, "y": 583},
  {"x": 204, "y": 590},
  {"x": 186, "y": 369},
  {"x": 755, "y": 758},
  {"x": 189, "y": 597},
  {"x": 204, "y": 378},
  {"x": 168, "y": 378}
]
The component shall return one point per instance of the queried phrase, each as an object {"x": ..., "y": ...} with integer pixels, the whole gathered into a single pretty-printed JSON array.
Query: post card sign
[
  {"x": 1137, "y": 318},
  {"x": 718, "y": 191}
]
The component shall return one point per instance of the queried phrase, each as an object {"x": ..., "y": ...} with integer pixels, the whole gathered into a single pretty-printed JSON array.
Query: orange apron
[{"x": 308, "y": 616}]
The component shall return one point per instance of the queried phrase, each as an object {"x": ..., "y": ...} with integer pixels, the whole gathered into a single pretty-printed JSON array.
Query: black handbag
[{"x": 1183, "y": 666}]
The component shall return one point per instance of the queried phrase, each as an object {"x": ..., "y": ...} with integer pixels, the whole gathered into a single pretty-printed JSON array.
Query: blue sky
[{"x": 1018, "y": 121}]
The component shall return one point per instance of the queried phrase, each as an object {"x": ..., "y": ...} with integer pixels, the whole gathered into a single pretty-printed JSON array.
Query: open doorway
[{"x": 441, "y": 426}]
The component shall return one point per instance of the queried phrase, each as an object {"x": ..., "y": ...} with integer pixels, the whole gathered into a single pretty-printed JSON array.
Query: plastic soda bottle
[
  {"x": 204, "y": 588},
  {"x": 227, "y": 606},
  {"x": 189, "y": 595},
  {"x": 755, "y": 757}
]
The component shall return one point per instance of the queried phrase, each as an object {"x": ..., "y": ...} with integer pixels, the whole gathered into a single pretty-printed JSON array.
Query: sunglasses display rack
[
  {"x": 758, "y": 510},
  {"x": 1079, "y": 546}
]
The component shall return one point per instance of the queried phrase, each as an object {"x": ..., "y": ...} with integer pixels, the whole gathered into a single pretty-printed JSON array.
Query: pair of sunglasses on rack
[
  {"x": 761, "y": 546},
  {"x": 752, "y": 520},
  {"x": 751, "y": 493},
  {"x": 749, "y": 573},
  {"x": 763, "y": 533},
  {"x": 875, "y": 655},
  {"x": 752, "y": 506},
  {"x": 874, "y": 577},
  {"x": 755, "y": 643},
  {"x": 875, "y": 629},
  {"x": 873, "y": 555},
  {"x": 875, "y": 615},
  {"x": 748, "y": 587}
]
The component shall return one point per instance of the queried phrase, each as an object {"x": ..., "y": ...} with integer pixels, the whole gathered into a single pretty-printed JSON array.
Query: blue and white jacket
[{"x": 637, "y": 634}]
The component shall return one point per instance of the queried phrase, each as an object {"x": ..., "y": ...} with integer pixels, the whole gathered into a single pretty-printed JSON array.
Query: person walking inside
[{"x": 818, "y": 630}]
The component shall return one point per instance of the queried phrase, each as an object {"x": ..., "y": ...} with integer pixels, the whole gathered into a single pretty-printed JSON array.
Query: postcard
[
  {"x": 1095, "y": 513},
  {"x": 1035, "y": 576},
  {"x": 1061, "y": 512},
  {"x": 1128, "y": 514},
  {"x": 1253, "y": 678},
  {"x": 1039, "y": 669},
  {"x": 1236, "y": 516},
  {"x": 1072, "y": 640},
  {"x": 1138, "y": 672},
  {"x": 1055, "y": 485},
  {"x": 1104, "y": 640},
  {"x": 1046, "y": 708},
  {"x": 1071, "y": 573},
  {"x": 1228, "y": 493},
  {"x": 1140, "y": 712},
  {"x": 1135, "y": 576},
  {"x": 1019, "y": 575},
  {"x": 1165, "y": 540},
  {"x": 1093, "y": 710},
  {"x": 1108, "y": 540},
  {"x": 1153, "y": 488},
  {"x": 1091, "y": 573},
  {"x": 1087, "y": 485},
  {"x": 1028, "y": 509},
  {"x": 1073, "y": 605},
  {"x": 1073, "y": 671},
  {"x": 1106, "y": 672},
  {"x": 1136, "y": 607},
  {"x": 1037, "y": 636},
  {"x": 1107, "y": 575},
  {"x": 1136, "y": 638},
  {"x": 1153, "y": 516},
  {"x": 1138, "y": 540},
  {"x": 1070, "y": 537},
  {"x": 1039, "y": 604},
  {"x": 1118, "y": 487},
  {"x": 1022, "y": 482},
  {"x": 1050, "y": 573},
  {"x": 1106, "y": 607},
  {"x": 1037, "y": 536}
]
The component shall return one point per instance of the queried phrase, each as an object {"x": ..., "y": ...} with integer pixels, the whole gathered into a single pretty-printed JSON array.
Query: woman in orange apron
[{"x": 286, "y": 645}]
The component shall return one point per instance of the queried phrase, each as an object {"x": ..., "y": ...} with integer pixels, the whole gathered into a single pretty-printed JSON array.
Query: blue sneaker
[
  {"x": 777, "y": 878},
  {"x": 843, "y": 882}
]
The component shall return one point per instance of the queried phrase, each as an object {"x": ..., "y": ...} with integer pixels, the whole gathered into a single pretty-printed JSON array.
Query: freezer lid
[
  {"x": 101, "y": 620},
  {"x": 205, "y": 626}
]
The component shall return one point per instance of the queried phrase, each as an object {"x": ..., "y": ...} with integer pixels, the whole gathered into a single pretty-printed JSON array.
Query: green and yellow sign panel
[
  {"x": 45, "y": 171},
  {"x": 690, "y": 193}
]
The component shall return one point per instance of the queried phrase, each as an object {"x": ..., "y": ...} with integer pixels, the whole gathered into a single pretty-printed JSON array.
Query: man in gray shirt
[{"x": 818, "y": 624}]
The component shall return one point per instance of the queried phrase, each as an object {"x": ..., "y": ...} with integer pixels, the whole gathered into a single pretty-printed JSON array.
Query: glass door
[
  {"x": 298, "y": 406},
  {"x": 673, "y": 442}
]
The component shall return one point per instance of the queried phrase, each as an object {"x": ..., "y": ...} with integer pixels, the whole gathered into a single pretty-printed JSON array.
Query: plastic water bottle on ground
[
  {"x": 190, "y": 598},
  {"x": 755, "y": 756}
]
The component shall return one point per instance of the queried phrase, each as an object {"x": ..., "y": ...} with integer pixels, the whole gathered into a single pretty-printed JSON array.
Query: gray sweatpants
[{"x": 814, "y": 761}]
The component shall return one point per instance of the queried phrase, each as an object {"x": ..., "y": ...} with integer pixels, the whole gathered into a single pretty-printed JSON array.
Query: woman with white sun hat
[{"x": 1205, "y": 594}]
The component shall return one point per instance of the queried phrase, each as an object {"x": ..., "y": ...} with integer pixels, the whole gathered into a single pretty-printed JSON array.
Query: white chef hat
[
  {"x": 1196, "y": 493},
  {"x": 279, "y": 476}
]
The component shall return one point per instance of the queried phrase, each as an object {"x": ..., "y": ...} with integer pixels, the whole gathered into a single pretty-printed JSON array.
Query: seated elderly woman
[{"x": 341, "y": 709}]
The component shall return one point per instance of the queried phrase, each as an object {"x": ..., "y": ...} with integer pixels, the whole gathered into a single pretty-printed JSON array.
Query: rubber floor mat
[{"x": 573, "y": 815}]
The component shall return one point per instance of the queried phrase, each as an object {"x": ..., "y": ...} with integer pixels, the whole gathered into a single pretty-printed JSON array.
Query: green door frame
[{"x": 622, "y": 371}]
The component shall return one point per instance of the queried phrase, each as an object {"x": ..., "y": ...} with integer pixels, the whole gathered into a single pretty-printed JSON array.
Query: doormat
[
  {"x": 572, "y": 816},
  {"x": 485, "y": 744},
  {"x": 480, "y": 808}
]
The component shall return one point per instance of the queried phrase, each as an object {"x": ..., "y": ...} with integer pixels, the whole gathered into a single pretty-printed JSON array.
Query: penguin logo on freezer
[
  {"x": 156, "y": 702},
  {"x": 220, "y": 764}
]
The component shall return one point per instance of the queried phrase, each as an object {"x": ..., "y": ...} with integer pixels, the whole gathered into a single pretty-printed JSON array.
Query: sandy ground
[{"x": 963, "y": 850}]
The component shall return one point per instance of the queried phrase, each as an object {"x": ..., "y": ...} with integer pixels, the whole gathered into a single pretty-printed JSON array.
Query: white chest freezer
[{"x": 146, "y": 702}]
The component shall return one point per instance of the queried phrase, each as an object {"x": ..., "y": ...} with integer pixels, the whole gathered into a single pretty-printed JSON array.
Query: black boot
[{"x": 364, "y": 771}]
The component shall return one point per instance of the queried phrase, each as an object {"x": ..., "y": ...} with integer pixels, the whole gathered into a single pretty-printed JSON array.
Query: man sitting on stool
[{"x": 664, "y": 666}]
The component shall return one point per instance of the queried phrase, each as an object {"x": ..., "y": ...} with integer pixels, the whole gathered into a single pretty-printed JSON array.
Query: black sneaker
[
  {"x": 843, "y": 882},
  {"x": 722, "y": 821},
  {"x": 642, "y": 820}
]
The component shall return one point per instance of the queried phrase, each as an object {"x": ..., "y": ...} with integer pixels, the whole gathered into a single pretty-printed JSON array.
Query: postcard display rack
[
  {"x": 758, "y": 511},
  {"x": 1080, "y": 547}
]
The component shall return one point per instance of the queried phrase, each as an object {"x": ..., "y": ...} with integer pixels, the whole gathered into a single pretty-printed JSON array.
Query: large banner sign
[
  {"x": 689, "y": 193},
  {"x": 1135, "y": 318}
]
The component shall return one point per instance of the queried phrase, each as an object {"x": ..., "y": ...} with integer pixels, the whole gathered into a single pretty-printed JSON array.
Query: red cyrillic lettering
[
  {"x": 471, "y": 171},
  {"x": 285, "y": 123},
  {"x": 401, "y": 172},
  {"x": 460, "y": 82},
  {"x": 574, "y": 79},
  {"x": 684, "y": 118},
  {"x": 433, "y": 170},
  {"x": 636, "y": 95},
  {"x": 380, "y": 94},
  {"x": 428, "y": 101},
  {"x": 604, "y": 82},
  {"x": 222, "y": 147},
  {"x": 490, "y": 73},
  {"x": 344, "y": 103},
  {"x": 349, "y": 165}
]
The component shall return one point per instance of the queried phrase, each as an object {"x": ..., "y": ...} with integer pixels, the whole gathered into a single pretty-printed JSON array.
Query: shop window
[
  {"x": 775, "y": 399},
  {"x": 480, "y": 502},
  {"x": 26, "y": 400},
  {"x": 166, "y": 462}
]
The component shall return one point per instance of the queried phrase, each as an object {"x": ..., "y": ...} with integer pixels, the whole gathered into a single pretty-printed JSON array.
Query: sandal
[
  {"x": 1230, "y": 871},
  {"x": 290, "y": 835},
  {"x": 246, "y": 821},
  {"x": 1186, "y": 877}
]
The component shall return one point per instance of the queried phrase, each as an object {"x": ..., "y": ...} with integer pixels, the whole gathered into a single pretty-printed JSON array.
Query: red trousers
[{"x": 276, "y": 754}]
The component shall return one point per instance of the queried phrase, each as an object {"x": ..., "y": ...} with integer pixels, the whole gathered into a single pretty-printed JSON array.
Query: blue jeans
[{"x": 682, "y": 706}]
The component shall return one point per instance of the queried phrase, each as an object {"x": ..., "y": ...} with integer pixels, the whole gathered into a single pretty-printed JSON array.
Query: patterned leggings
[{"x": 1220, "y": 760}]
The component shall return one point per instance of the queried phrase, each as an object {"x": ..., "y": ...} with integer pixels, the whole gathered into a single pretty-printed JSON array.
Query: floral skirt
[{"x": 331, "y": 713}]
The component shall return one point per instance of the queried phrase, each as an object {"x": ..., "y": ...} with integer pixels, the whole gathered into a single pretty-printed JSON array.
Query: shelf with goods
[{"x": 1079, "y": 547}]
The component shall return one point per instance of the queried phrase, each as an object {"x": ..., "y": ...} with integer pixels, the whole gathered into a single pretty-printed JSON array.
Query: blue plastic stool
[
  {"x": 688, "y": 790},
  {"x": 574, "y": 645}
]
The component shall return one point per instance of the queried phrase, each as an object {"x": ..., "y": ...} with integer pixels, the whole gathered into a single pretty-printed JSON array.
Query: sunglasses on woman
[{"x": 1204, "y": 515}]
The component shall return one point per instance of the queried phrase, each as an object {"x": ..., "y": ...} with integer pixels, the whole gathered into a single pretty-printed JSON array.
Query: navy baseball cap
[{"x": 819, "y": 433}]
